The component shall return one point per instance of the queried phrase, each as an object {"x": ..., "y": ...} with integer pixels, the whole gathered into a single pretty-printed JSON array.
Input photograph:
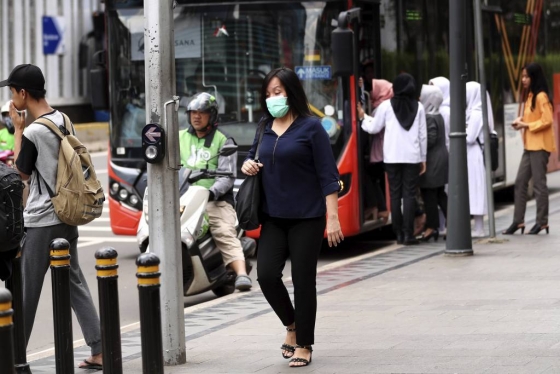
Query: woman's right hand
[{"x": 251, "y": 167}]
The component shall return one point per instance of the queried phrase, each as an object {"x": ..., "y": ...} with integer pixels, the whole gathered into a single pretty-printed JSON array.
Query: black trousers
[
  {"x": 301, "y": 240},
  {"x": 434, "y": 197},
  {"x": 403, "y": 181}
]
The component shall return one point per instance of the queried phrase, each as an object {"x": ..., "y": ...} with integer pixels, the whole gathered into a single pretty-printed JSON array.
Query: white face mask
[{"x": 277, "y": 106}]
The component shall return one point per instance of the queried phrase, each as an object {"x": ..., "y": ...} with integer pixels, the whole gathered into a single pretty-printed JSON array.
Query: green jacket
[{"x": 198, "y": 153}]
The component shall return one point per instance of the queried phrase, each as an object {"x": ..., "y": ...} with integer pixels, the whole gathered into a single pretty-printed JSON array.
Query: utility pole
[
  {"x": 163, "y": 177},
  {"x": 485, "y": 127},
  {"x": 459, "y": 241}
]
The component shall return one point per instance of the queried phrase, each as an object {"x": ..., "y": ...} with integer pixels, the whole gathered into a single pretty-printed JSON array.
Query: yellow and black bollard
[
  {"x": 6, "y": 333},
  {"x": 15, "y": 285},
  {"x": 62, "y": 312},
  {"x": 106, "y": 266},
  {"x": 150, "y": 313}
]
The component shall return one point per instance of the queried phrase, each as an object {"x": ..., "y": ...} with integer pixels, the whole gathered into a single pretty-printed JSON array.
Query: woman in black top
[
  {"x": 300, "y": 184},
  {"x": 433, "y": 181}
]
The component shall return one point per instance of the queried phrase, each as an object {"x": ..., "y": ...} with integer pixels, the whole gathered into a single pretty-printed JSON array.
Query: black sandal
[
  {"x": 302, "y": 360},
  {"x": 286, "y": 347}
]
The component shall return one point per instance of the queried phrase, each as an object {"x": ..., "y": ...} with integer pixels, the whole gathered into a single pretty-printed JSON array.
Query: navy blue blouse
[{"x": 299, "y": 169}]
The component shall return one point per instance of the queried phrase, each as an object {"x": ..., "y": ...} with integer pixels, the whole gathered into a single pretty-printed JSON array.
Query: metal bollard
[
  {"x": 150, "y": 313},
  {"x": 106, "y": 266},
  {"x": 6, "y": 332},
  {"x": 15, "y": 285},
  {"x": 62, "y": 312}
]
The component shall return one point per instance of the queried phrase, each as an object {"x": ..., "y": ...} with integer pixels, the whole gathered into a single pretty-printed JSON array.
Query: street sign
[
  {"x": 153, "y": 143},
  {"x": 53, "y": 35},
  {"x": 151, "y": 133},
  {"x": 313, "y": 72}
]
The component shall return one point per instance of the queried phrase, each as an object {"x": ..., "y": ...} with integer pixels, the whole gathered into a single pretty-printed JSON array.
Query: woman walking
[
  {"x": 538, "y": 140},
  {"x": 300, "y": 184},
  {"x": 432, "y": 183},
  {"x": 404, "y": 151}
]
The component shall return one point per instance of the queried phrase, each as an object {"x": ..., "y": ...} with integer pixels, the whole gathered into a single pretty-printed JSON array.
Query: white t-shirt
[{"x": 399, "y": 145}]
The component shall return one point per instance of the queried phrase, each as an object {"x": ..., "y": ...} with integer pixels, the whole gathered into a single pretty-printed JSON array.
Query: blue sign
[
  {"x": 53, "y": 41},
  {"x": 313, "y": 72}
]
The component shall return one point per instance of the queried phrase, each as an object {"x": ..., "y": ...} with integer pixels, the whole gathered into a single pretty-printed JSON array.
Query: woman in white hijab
[
  {"x": 475, "y": 159},
  {"x": 444, "y": 109}
]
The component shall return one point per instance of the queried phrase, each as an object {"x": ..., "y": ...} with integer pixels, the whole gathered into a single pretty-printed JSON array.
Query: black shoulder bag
[{"x": 248, "y": 206}]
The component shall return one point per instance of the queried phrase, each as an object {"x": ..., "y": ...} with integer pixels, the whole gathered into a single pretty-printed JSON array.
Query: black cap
[{"x": 26, "y": 76}]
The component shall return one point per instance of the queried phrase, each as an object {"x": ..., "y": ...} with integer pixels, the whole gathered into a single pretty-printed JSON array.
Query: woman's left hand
[{"x": 334, "y": 232}]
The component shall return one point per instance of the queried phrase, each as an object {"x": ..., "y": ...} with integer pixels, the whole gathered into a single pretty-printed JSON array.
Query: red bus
[{"x": 226, "y": 48}]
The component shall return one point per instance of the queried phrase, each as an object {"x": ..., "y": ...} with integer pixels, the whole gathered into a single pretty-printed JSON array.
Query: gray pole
[
  {"x": 458, "y": 241},
  {"x": 163, "y": 177},
  {"x": 485, "y": 127}
]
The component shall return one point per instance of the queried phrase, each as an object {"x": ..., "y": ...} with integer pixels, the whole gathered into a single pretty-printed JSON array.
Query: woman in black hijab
[{"x": 404, "y": 151}]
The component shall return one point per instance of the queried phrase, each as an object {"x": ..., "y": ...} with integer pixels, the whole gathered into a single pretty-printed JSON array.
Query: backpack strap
[
  {"x": 59, "y": 131},
  {"x": 51, "y": 125}
]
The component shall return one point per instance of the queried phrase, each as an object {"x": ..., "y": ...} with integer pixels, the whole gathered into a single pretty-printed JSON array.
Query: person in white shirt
[{"x": 404, "y": 151}]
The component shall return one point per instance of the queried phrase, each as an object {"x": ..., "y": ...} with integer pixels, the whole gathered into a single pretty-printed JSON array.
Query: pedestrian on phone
[
  {"x": 300, "y": 185},
  {"x": 535, "y": 123}
]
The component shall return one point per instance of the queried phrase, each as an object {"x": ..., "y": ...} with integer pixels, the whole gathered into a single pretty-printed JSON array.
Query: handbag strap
[{"x": 261, "y": 128}]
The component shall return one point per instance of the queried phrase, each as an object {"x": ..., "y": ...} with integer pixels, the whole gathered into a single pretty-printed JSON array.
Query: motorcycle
[{"x": 203, "y": 266}]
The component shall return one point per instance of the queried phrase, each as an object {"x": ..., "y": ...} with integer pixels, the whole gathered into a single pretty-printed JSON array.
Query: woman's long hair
[
  {"x": 297, "y": 100},
  {"x": 538, "y": 81}
]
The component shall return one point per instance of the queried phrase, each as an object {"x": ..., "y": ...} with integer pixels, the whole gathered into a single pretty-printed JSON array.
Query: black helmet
[{"x": 204, "y": 102}]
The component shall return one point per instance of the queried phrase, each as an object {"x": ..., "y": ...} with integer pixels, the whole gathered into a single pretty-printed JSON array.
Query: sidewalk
[{"x": 399, "y": 310}]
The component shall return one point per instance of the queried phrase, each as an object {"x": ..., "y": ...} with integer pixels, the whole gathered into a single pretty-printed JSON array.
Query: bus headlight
[
  {"x": 123, "y": 194},
  {"x": 134, "y": 200}
]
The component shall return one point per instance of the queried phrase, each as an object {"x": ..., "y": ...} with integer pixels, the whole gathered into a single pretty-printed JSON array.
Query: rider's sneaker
[{"x": 243, "y": 283}]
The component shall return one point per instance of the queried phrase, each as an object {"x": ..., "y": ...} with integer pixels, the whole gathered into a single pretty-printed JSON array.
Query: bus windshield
[{"x": 227, "y": 50}]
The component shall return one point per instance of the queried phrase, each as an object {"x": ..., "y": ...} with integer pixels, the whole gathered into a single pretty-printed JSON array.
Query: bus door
[
  {"x": 350, "y": 65},
  {"x": 373, "y": 191}
]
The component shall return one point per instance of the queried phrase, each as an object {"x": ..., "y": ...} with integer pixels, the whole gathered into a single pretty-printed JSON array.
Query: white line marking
[
  {"x": 124, "y": 239},
  {"x": 93, "y": 228},
  {"x": 87, "y": 244}
]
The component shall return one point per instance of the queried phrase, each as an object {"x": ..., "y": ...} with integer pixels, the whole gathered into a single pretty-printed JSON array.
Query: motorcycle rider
[
  {"x": 199, "y": 143},
  {"x": 6, "y": 129}
]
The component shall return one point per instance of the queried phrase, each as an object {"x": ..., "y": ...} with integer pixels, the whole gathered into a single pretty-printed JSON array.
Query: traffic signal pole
[
  {"x": 459, "y": 241},
  {"x": 163, "y": 177}
]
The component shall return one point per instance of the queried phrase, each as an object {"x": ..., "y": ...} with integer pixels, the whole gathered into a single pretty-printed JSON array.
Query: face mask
[{"x": 277, "y": 106}]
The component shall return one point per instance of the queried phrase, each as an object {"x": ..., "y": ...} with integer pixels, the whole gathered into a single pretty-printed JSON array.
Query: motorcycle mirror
[{"x": 228, "y": 150}]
